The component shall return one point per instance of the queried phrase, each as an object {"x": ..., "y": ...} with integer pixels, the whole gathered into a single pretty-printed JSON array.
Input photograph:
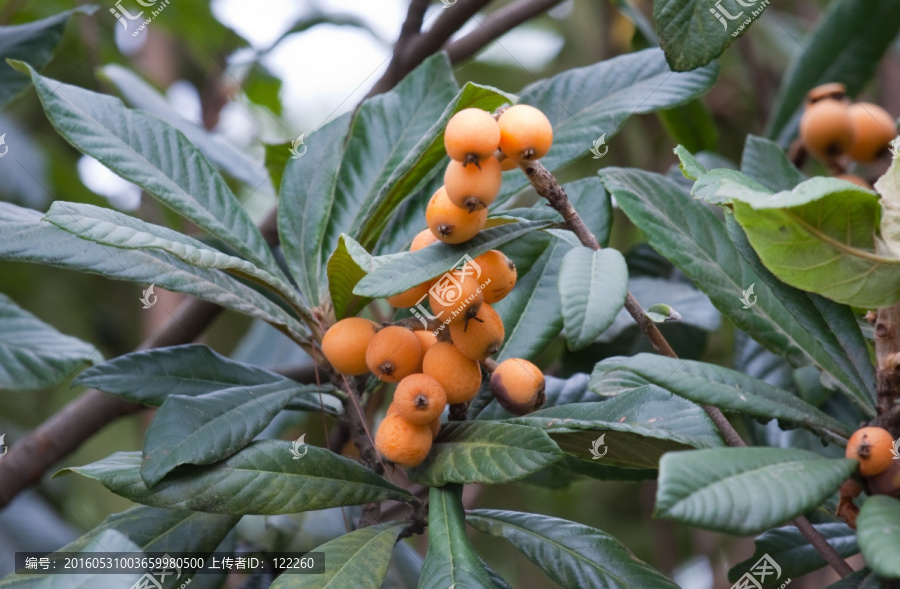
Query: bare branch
[{"x": 495, "y": 26}]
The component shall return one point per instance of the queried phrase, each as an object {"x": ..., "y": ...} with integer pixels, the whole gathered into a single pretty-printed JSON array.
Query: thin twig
[{"x": 547, "y": 186}]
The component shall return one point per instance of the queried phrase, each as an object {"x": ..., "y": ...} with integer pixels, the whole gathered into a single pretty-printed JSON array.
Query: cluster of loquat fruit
[
  {"x": 435, "y": 368},
  {"x": 873, "y": 448},
  {"x": 832, "y": 127}
]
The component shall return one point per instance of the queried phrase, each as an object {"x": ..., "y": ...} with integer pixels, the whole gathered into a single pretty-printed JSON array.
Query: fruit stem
[
  {"x": 546, "y": 185},
  {"x": 887, "y": 365}
]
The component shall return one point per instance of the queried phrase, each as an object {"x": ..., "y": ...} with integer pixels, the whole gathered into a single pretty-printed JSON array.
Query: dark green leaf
[
  {"x": 862, "y": 579},
  {"x": 572, "y": 554},
  {"x": 584, "y": 103},
  {"x": 845, "y": 46},
  {"x": 155, "y": 156},
  {"x": 713, "y": 385},
  {"x": 532, "y": 312},
  {"x": 691, "y": 125},
  {"x": 33, "y": 42},
  {"x": 790, "y": 549},
  {"x": 263, "y": 479},
  {"x": 234, "y": 162},
  {"x": 592, "y": 289},
  {"x": 878, "y": 528},
  {"x": 207, "y": 428},
  {"x": 395, "y": 273},
  {"x": 451, "y": 560},
  {"x": 745, "y": 490},
  {"x": 150, "y": 376},
  {"x": 357, "y": 560},
  {"x": 485, "y": 452},
  {"x": 34, "y": 355},
  {"x": 690, "y": 234},
  {"x": 767, "y": 163}
]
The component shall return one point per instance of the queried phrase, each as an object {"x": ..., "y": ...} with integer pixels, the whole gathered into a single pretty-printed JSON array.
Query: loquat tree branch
[
  {"x": 546, "y": 185},
  {"x": 887, "y": 359}
]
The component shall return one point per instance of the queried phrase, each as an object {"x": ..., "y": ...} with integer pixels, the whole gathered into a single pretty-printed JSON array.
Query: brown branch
[
  {"x": 546, "y": 186},
  {"x": 411, "y": 51},
  {"x": 887, "y": 358},
  {"x": 496, "y": 25}
]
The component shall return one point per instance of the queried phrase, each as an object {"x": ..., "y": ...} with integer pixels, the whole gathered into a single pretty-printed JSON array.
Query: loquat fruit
[
  {"x": 479, "y": 337},
  {"x": 409, "y": 298},
  {"x": 419, "y": 399},
  {"x": 501, "y": 271},
  {"x": 473, "y": 187},
  {"x": 458, "y": 374},
  {"x": 832, "y": 90},
  {"x": 451, "y": 224},
  {"x": 435, "y": 428},
  {"x": 423, "y": 239},
  {"x": 518, "y": 385},
  {"x": 525, "y": 133},
  {"x": 401, "y": 442},
  {"x": 871, "y": 446},
  {"x": 345, "y": 343},
  {"x": 457, "y": 303},
  {"x": 471, "y": 135},
  {"x": 826, "y": 128},
  {"x": 426, "y": 338},
  {"x": 874, "y": 128},
  {"x": 394, "y": 353},
  {"x": 507, "y": 164}
]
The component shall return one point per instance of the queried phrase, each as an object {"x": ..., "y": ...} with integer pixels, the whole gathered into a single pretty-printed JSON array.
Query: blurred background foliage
[{"x": 254, "y": 72}]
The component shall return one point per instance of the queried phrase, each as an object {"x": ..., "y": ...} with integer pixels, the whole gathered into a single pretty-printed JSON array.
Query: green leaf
[
  {"x": 833, "y": 325},
  {"x": 692, "y": 37},
  {"x": 558, "y": 391},
  {"x": 690, "y": 234},
  {"x": 878, "y": 530},
  {"x": 583, "y": 103},
  {"x": 357, "y": 560},
  {"x": 210, "y": 427},
  {"x": 236, "y": 163},
  {"x": 34, "y": 42},
  {"x": 592, "y": 289},
  {"x": 33, "y": 240},
  {"x": 451, "y": 560},
  {"x": 767, "y": 163},
  {"x": 277, "y": 156},
  {"x": 846, "y": 45},
  {"x": 109, "y": 227},
  {"x": 262, "y": 479},
  {"x": 637, "y": 427},
  {"x": 532, "y": 312},
  {"x": 157, "y": 157},
  {"x": 346, "y": 267},
  {"x": 485, "y": 452},
  {"x": 106, "y": 541},
  {"x": 745, "y": 491},
  {"x": 790, "y": 549},
  {"x": 151, "y": 529},
  {"x": 149, "y": 377},
  {"x": 888, "y": 186},
  {"x": 713, "y": 385},
  {"x": 819, "y": 237},
  {"x": 862, "y": 579},
  {"x": 33, "y": 355},
  {"x": 691, "y": 125},
  {"x": 572, "y": 554},
  {"x": 395, "y": 273}
]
